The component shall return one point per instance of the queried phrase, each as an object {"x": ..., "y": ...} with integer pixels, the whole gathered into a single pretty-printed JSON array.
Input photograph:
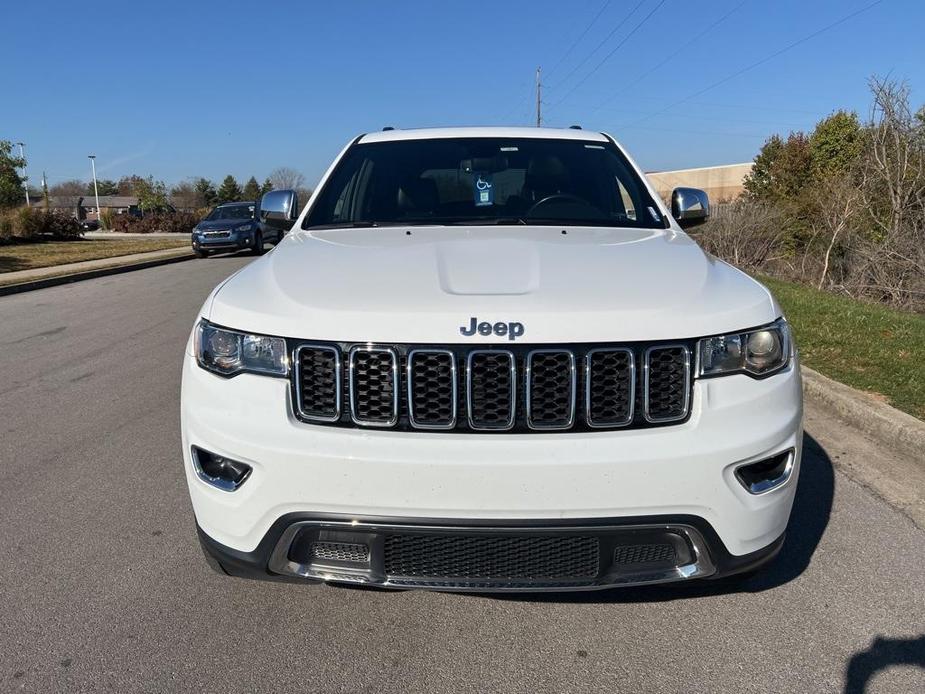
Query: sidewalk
[{"x": 24, "y": 280}]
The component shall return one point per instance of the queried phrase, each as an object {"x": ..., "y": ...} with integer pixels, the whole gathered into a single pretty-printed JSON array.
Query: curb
[
  {"x": 91, "y": 274},
  {"x": 892, "y": 428}
]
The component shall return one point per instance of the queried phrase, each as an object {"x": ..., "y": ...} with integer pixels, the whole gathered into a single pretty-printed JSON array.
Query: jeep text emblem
[{"x": 512, "y": 330}]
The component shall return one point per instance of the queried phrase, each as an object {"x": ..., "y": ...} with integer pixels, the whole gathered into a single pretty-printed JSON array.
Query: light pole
[
  {"x": 96, "y": 192},
  {"x": 25, "y": 185}
]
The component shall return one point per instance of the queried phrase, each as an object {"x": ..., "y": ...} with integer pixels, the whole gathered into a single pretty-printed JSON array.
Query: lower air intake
[
  {"x": 340, "y": 551},
  {"x": 487, "y": 557},
  {"x": 643, "y": 554}
]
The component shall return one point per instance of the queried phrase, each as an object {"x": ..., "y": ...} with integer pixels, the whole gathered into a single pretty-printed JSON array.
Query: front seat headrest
[{"x": 419, "y": 195}]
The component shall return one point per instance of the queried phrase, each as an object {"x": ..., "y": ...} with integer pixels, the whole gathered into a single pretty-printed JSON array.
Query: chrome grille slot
[
  {"x": 491, "y": 384},
  {"x": 432, "y": 391},
  {"x": 340, "y": 551},
  {"x": 551, "y": 382},
  {"x": 610, "y": 387},
  {"x": 318, "y": 383},
  {"x": 667, "y": 383},
  {"x": 374, "y": 386}
]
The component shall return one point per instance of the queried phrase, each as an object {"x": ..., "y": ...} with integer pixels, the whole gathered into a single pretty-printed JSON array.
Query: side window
[
  {"x": 353, "y": 190},
  {"x": 629, "y": 195},
  {"x": 628, "y": 203}
]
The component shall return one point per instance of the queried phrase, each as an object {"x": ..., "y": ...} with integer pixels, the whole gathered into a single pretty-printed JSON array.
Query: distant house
[
  {"x": 722, "y": 183},
  {"x": 84, "y": 206}
]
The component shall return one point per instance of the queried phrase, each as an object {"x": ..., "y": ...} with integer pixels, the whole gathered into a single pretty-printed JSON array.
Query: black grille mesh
[
  {"x": 552, "y": 389},
  {"x": 491, "y": 396},
  {"x": 318, "y": 382},
  {"x": 643, "y": 554},
  {"x": 668, "y": 384},
  {"x": 373, "y": 386},
  {"x": 610, "y": 374},
  {"x": 431, "y": 391},
  {"x": 491, "y": 557}
]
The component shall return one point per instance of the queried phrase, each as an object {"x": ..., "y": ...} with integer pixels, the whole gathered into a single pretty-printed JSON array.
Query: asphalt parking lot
[{"x": 103, "y": 586}]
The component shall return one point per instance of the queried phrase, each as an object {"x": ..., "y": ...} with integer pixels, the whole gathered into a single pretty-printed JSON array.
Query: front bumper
[
  {"x": 234, "y": 240},
  {"x": 283, "y": 554},
  {"x": 671, "y": 477}
]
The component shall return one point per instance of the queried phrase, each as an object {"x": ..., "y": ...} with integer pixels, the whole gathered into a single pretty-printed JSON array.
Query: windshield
[
  {"x": 484, "y": 181},
  {"x": 243, "y": 211}
]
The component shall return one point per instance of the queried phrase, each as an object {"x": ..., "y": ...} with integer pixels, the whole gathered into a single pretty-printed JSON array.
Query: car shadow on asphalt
[{"x": 810, "y": 517}]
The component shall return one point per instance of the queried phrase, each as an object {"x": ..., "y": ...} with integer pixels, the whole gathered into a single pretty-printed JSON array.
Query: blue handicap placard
[{"x": 484, "y": 190}]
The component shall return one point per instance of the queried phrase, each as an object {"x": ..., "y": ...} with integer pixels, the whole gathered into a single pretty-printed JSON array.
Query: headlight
[
  {"x": 228, "y": 353},
  {"x": 758, "y": 352},
  {"x": 244, "y": 227}
]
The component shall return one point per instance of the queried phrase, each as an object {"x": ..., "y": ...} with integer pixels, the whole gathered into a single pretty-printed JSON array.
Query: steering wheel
[{"x": 560, "y": 197}]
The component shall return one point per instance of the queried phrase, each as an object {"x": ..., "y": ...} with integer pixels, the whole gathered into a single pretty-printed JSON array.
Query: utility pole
[
  {"x": 96, "y": 192},
  {"x": 25, "y": 184},
  {"x": 539, "y": 99}
]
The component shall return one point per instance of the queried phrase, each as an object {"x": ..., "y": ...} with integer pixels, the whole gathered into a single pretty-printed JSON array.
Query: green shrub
[
  {"x": 31, "y": 224},
  {"x": 59, "y": 225},
  {"x": 123, "y": 222},
  {"x": 168, "y": 223}
]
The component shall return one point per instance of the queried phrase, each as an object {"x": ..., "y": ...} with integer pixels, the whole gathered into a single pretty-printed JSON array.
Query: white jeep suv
[{"x": 490, "y": 359}]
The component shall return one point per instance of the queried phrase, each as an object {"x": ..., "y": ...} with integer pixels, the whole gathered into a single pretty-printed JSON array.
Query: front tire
[
  {"x": 201, "y": 253},
  {"x": 258, "y": 244}
]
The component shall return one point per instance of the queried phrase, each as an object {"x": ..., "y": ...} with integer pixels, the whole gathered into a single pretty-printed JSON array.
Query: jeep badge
[{"x": 501, "y": 329}]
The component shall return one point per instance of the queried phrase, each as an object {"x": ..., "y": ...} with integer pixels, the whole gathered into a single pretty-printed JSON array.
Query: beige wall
[{"x": 722, "y": 183}]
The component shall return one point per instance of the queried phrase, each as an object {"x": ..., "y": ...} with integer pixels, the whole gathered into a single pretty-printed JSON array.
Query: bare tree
[
  {"x": 836, "y": 200},
  {"x": 73, "y": 188},
  {"x": 184, "y": 196},
  {"x": 747, "y": 234},
  {"x": 285, "y": 178},
  {"x": 890, "y": 258}
]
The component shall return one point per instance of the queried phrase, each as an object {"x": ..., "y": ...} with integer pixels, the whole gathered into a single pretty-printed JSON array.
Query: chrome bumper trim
[{"x": 374, "y": 574}]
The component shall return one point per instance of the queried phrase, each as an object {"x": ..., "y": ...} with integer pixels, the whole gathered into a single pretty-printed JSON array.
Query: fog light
[
  {"x": 765, "y": 475},
  {"x": 219, "y": 471}
]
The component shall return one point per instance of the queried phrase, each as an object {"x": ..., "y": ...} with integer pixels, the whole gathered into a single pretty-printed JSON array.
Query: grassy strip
[
  {"x": 28, "y": 256},
  {"x": 866, "y": 346}
]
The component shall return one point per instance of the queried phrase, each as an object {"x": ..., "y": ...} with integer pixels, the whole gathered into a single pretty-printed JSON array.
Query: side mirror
[
  {"x": 689, "y": 206},
  {"x": 279, "y": 209}
]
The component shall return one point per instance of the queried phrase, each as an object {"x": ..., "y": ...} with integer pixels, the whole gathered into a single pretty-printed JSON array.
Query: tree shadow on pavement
[
  {"x": 809, "y": 519},
  {"x": 9, "y": 263},
  {"x": 882, "y": 654}
]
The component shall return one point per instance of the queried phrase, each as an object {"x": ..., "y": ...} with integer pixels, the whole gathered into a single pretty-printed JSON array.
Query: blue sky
[{"x": 208, "y": 88}]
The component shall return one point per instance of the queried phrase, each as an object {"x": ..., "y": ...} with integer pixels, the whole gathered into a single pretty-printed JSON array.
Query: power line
[
  {"x": 670, "y": 57},
  {"x": 578, "y": 40},
  {"x": 609, "y": 55},
  {"x": 764, "y": 60},
  {"x": 519, "y": 106},
  {"x": 598, "y": 47}
]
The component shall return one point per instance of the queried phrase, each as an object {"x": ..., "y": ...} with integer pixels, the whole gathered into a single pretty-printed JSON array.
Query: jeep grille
[{"x": 473, "y": 389}]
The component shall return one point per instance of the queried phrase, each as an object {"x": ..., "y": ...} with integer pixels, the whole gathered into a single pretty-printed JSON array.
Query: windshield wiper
[
  {"x": 482, "y": 221},
  {"x": 360, "y": 224}
]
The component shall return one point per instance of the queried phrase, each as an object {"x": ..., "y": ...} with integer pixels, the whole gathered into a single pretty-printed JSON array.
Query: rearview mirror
[
  {"x": 279, "y": 208},
  {"x": 690, "y": 206}
]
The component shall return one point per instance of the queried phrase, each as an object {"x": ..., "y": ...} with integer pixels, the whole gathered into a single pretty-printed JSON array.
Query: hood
[
  {"x": 221, "y": 224},
  {"x": 584, "y": 284}
]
